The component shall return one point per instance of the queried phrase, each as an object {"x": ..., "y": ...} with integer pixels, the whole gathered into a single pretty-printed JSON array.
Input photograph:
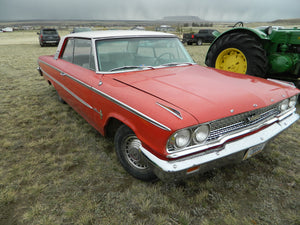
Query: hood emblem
[
  {"x": 171, "y": 110},
  {"x": 253, "y": 117}
]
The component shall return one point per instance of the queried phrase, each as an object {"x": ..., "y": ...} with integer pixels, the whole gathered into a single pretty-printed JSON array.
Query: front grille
[
  {"x": 233, "y": 124},
  {"x": 222, "y": 127}
]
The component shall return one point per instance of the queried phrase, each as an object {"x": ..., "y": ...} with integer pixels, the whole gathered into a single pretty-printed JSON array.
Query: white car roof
[{"x": 119, "y": 33}]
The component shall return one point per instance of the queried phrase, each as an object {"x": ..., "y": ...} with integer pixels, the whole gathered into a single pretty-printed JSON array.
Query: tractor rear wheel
[{"x": 238, "y": 52}]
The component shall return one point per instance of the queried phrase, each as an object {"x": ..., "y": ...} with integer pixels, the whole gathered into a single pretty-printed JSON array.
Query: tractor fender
[{"x": 260, "y": 35}]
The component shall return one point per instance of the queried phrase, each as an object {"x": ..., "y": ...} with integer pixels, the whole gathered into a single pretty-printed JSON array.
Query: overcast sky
[{"x": 212, "y": 10}]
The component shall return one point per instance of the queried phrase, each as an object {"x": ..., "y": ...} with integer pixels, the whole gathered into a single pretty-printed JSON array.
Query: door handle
[{"x": 63, "y": 74}]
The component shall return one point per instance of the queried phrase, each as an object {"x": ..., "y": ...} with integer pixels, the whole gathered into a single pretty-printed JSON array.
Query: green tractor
[{"x": 269, "y": 52}]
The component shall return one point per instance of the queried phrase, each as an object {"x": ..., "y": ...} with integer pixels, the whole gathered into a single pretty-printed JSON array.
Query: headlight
[
  {"x": 181, "y": 139},
  {"x": 188, "y": 137},
  {"x": 293, "y": 101},
  {"x": 284, "y": 105},
  {"x": 201, "y": 134}
]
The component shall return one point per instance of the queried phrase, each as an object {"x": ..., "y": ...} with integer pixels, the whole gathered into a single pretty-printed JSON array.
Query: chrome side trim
[
  {"x": 285, "y": 83},
  {"x": 69, "y": 91},
  {"x": 49, "y": 65},
  {"x": 132, "y": 110},
  {"x": 121, "y": 104},
  {"x": 171, "y": 110}
]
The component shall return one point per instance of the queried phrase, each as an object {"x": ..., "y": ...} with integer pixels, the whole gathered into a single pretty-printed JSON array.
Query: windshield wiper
[
  {"x": 177, "y": 64},
  {"x": 131, "y": 67}
]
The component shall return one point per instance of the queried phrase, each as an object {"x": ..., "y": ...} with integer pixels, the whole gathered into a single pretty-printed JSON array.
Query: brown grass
[{"x": 56, "y": 169}]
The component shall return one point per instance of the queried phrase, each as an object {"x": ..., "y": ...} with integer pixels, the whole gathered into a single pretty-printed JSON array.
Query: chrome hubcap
[{"x": 133, "y": 153}]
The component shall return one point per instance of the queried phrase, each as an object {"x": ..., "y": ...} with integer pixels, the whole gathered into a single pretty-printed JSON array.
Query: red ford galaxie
[{"x": 169, "y": 117}]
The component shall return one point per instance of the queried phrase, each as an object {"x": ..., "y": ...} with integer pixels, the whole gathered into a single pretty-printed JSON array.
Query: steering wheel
[
  {"x": 239, "y": 24},
  {"x": 160, "y": 60}
]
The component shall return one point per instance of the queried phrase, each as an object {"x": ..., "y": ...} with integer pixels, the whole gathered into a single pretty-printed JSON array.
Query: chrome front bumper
[{"x": 231, "y": 151}]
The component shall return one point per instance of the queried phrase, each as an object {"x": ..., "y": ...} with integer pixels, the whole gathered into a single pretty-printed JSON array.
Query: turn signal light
[{"x": 193, "y": 169}]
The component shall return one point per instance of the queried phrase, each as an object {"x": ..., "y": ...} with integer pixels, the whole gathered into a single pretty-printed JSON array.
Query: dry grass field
[{"x": 56, "y": 169}]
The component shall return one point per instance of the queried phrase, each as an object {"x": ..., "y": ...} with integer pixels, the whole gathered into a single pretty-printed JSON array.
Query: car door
[{"x": 77, "y": 69}]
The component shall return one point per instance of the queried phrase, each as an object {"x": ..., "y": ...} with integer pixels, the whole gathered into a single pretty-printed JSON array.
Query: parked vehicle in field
[
  {"x": 265, "y": 52},
  {"x": 169, "y": 117},
  {"x": 48, "y": 36},
  {"x": 81, "y": 29},
  {"x": 203, "y": 36}
]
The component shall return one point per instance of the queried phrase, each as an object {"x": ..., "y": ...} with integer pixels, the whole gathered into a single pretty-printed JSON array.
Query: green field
[{"x": 56, "y": 169}]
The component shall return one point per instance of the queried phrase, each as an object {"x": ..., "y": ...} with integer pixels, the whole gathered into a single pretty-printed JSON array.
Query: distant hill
[
  {"x": 182, "y": 19},
  {"x": 287, "y": 21}
]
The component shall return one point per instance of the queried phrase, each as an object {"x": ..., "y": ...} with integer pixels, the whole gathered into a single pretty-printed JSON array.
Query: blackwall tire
[
  {"x": 61, "y": 99},
  {"x": 199, "y": 42},
  {"x": 241, "y": 44},
  {"x": 131, "y": 158}
]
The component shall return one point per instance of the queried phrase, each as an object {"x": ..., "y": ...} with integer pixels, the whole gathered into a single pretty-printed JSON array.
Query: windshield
[
  {"x": 49, "y": 32},
  {"x": 140, "y": 53}
]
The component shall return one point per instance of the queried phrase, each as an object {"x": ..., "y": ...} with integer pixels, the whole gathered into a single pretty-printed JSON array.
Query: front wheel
[
  {"x": 128, "y": 151},
  {"x": 239, "y": 53}
]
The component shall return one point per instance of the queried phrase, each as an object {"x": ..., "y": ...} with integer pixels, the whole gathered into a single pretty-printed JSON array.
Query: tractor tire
[{"x": 240, "y": 53}]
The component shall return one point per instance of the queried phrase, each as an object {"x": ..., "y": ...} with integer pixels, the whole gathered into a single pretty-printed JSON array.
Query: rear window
[{"x": 50, "y": 32}]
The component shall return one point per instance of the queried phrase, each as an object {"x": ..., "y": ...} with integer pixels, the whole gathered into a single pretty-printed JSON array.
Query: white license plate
[{"x": 254, "y": 150}]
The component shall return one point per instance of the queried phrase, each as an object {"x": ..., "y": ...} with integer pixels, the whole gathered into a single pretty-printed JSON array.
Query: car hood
[{"x": 205, "y": 93}]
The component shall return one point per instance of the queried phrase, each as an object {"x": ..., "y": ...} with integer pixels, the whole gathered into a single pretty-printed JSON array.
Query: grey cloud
[{"x": 214, "y": 10}]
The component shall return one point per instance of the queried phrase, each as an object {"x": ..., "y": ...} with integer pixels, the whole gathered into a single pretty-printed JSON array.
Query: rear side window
[
  {"x": 83, "y": 54},
  {"x": 68, "y": 52},
  {"x": 79, "y": 51}
]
